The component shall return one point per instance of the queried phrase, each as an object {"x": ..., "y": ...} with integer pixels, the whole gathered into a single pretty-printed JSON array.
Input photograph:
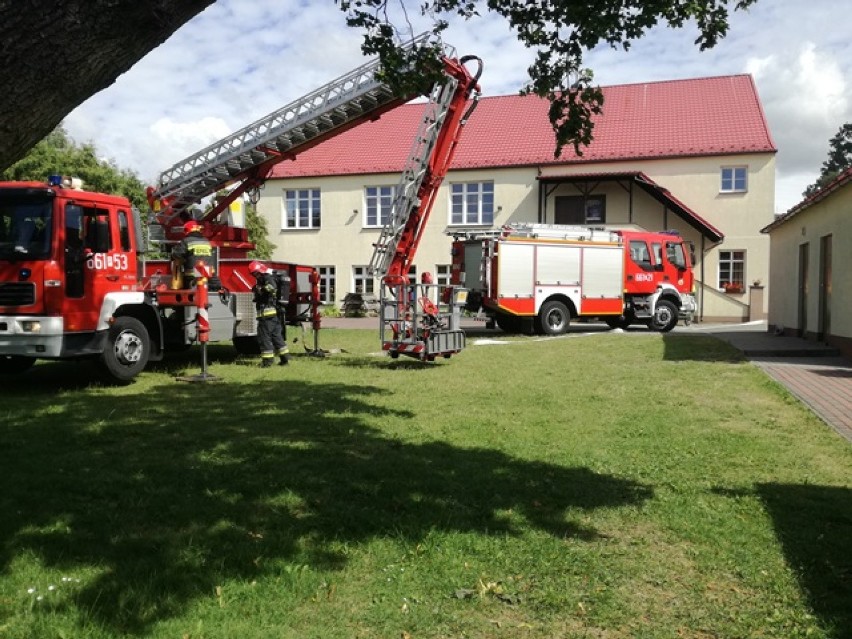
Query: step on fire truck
[
  {"x": 74, "y": 282},
  {"x": 538, "y": 277}
]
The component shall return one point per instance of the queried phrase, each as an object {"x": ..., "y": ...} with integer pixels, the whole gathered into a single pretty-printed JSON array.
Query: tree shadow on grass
[
  {"x": 702, "y": 348},
  {"x": 168, "y": 493},
  {"x": 814, "y": 526}
]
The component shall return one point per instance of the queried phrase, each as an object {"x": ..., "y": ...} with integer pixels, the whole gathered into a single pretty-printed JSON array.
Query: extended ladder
[
  {"x": 262, "y": 144},
  {"x": 407, "y": 194}
]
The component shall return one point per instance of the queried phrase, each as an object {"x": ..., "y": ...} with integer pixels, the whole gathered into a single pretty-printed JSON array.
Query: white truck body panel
[
  {"x": 516, "y": 265},
  {"x": 559, "y": 265},
  {"x": 603, "y": 271}
]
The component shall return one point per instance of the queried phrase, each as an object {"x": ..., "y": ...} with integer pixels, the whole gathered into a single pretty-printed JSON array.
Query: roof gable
[
  {"x": 678, "y": 118},
  {"x": 837, "y": 183}
]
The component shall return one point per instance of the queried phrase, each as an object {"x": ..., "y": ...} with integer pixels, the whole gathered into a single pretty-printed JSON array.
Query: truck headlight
[{"x": 31, "y": 326}]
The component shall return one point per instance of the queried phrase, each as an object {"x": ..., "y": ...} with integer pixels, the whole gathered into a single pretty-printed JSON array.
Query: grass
[{"x": 606, "y": 486}]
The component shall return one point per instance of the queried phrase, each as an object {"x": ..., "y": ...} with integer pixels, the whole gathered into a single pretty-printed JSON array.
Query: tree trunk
[{"x": 55, "y": 54}]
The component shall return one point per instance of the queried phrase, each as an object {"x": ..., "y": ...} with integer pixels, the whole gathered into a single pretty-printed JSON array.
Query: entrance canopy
[{"x": 551, "y": 177}]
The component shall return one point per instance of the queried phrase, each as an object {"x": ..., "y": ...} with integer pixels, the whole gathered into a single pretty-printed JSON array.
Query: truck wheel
[
  {"x": 15, "y": 364},
  {"x": 126, "y": 351},
  {"x": 554, "y": 318},
  {"x": 665, "y": 316},
  {"x": 622, "y": 321},
  {"x": 508, "y": 323}
]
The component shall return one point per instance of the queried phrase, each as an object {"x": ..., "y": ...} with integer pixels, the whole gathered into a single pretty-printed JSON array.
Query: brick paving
[
  {"x": 822, "y": 384},
  {"x": 814, "y": 373}
]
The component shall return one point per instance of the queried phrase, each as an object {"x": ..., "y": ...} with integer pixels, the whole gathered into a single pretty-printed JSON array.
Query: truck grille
[{"x": 17, "y": 294}]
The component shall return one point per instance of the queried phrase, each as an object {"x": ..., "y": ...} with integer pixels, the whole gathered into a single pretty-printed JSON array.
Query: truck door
[
  {"x": 677, "y": 267},
  {"x": 93, "y": 263},
  {"x": 640, "y": 270}
]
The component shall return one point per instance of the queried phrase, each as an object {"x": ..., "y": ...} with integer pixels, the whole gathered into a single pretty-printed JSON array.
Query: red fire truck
[
  {"x": 74, "y": 282},
  {"x": 538, "y": 277}
]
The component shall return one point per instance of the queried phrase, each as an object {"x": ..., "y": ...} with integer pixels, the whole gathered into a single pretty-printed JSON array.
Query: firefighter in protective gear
[
  {"x": 193, "y": 248},
  {"x": 269, "y": 329}
]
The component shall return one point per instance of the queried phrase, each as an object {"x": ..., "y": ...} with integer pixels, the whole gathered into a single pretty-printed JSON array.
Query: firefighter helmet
[
  {"x": 258, "y": 267},
  {"x": 191, "y": 227}
]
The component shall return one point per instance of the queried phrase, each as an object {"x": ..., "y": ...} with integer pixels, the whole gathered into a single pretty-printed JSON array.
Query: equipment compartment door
[{"x": 602, "y": 279}]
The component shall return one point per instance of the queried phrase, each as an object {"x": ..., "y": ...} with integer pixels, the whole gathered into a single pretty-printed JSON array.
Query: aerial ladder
[
  {"x": 412, "y": 322},
  {"x": 243, "y": 161}
]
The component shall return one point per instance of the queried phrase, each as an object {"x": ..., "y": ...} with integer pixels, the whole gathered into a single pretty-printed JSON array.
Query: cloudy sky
[{"x": 242, "y": 59}]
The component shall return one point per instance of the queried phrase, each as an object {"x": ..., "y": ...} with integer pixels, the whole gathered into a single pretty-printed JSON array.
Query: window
[
  {"x": 362, "y": 282},
  {"x": 26, "y": 220},
  {"x": 301, "y": 209},
  {"x": 124, "y": 230},
  {"x": 472, "y": 203},
  {"x": 576, "y": 209},
  {"x": 326, "y": 284},
  {"x": 442, "y": 274},
  {"x": 732, "y": 271},
  {"x": 734, "y": 179},
  {"x": 640, "y": 255},
  {"x": 675, "y": 255},
  {"x": 378, "y": 202}
]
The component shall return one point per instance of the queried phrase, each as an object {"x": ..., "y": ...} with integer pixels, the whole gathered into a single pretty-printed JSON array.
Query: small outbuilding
[{"x": 810, "y": 261}]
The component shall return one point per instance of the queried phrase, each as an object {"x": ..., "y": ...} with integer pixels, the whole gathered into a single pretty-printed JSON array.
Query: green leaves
[{"x": 59, "y": 155}]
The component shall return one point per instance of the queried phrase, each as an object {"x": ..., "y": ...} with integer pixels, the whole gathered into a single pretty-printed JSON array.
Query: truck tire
[
  {"x": 126, "y": 351},
  {"x": 508, "y": 323},
  {"x": 554, "y": 318},
  {"x": 619, "y": 321},
  {"x": 665, "y": 316},
  {"x": 15, "y": 364}
]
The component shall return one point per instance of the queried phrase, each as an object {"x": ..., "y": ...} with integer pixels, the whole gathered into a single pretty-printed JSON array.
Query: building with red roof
[{"x": 689, "y": 155}]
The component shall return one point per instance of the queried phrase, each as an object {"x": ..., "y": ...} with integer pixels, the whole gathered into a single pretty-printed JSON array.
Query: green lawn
[{"x": 607, "y": 486}]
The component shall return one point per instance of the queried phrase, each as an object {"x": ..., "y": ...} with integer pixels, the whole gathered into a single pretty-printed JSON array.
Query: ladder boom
[
  {"x": 428, "y": 162},
  {"x": 250, "y": 153}
]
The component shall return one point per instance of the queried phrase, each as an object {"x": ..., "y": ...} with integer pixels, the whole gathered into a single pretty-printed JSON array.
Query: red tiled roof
[{"x": 677, "y": 118}]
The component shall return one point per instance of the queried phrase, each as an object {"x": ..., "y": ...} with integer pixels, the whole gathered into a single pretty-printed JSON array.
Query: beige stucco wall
[
  {"x": 343, "y": 241},
  {"x": 832, "y": 216}
]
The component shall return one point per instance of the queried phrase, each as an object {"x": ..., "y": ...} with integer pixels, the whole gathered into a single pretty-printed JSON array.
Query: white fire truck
[
  {"x": 538, "y": 277},
  {"x": 74, "y": 282}
]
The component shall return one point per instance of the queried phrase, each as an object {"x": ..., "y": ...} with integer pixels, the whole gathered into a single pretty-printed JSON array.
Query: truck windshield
[{"x": 25, "y": 224}]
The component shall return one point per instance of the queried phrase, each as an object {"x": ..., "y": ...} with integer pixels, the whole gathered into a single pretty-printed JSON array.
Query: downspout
[
  {"x": 703, "y": 281},
  {"x": 541, "y": 199},
  {"x": 630, "y": 204}
]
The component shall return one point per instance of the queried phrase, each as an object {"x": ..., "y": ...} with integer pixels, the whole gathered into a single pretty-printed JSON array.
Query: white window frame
[
  {"x": 731, "y": 261},
  {"x": 733, "y": 179},
  {"x": 327, "y": 284},
  {"x": 362, "y": 282},
  {"x": 293, "y": 201},
  {"x": 471, "y": 204},
  {"x": 443, "y": 273},
  {"x": 378, "y": 205}
]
